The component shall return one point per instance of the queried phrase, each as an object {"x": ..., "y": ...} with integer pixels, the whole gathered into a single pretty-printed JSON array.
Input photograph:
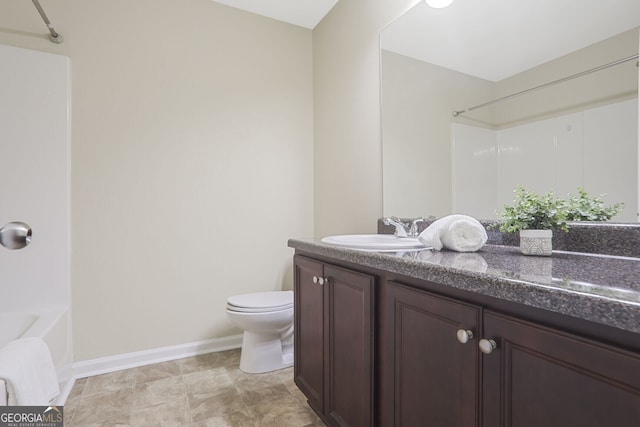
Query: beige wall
[
  {"x": 347, "y": 148},
  {"x": 192, "y": 163},
  {"x": 418, "y": 99},
  {"x": 200, "y": 143}
]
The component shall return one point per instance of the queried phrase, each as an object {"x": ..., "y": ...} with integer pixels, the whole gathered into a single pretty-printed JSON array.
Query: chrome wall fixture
[
  {"x": 15, "y": 235},
  {"x": 54, "y": 36},
  {"x": 456, "y": 113}
]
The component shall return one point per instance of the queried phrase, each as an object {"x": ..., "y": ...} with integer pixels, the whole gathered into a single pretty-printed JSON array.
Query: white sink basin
[{"x": 376, "y": 242}]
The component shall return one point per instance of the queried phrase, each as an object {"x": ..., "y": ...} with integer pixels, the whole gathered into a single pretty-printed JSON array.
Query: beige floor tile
[
  {"x": 172, "y": 414},
  {"x": 69, "y": 409},
  {"x": 107, "y": 423},
  {"x": 73, "y": 400},
  {"x": 244, "y": 380},
  {"x": 200, "y": 363},
  {"x": 286, "y": 412},
  {"x": 157, "y": 371},
  {"x": 235, "y": 419},
  {"x": 296, "y": 393},
  {"x": 113, "y": 381},
  {"x": 153, "y": 393},
  {"x": 207, "y": 381},
  {"x": 317, "y": 422},
  {"x": 78, "y": 387},
  {"x": 264, "y": 394},
  {"x": 259, "y": 388},
  {"x": 229, "y": 358},
  {"x": 109, "y": 408},
  {"x": 285, "y": 375},
  {"x": 206, "y": 405},
  {"x": 202, "y": 391}
]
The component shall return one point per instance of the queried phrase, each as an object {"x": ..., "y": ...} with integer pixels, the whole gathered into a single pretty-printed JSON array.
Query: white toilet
[{"x": 267, "y": 321}]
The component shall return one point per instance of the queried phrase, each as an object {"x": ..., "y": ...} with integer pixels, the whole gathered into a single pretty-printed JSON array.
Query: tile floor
[{"x": 200, "y": 391}]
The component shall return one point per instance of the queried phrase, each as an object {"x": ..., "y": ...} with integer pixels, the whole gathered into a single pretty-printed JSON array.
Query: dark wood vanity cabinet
[
  {"x": 435, "y": 374},
  {"x": 538, "y": 376},
  {"x": 334, "y": 341},
  {"x": 429, "y": 378},
  {"x": 309, "y": 338},
  {"x": 372, "y": 350}
]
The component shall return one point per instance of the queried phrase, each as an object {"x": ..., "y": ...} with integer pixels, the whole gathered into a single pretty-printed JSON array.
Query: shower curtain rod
[
  {"x": 54, "y": 36},
  {"x": 456, "y": 113}
]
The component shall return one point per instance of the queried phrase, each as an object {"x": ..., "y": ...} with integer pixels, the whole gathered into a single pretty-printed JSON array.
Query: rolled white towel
[
  {"x": 465, "y": 235},
  {"x": 460, "y": 233}
]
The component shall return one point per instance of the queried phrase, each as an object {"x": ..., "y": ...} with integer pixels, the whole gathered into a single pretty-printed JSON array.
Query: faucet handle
[{"x": 413, "y": 231}]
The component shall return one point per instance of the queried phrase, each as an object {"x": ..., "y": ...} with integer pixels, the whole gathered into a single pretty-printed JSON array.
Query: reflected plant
[
  {"x": 531, "y": 211},
  {"x": 585, "y": 208}
]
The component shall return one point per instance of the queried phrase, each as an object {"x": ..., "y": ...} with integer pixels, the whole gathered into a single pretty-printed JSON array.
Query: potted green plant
[{"x": 535, "y": 217}]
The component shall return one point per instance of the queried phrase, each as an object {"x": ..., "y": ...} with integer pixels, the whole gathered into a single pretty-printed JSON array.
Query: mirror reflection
[{"x": 569, "y": 73}]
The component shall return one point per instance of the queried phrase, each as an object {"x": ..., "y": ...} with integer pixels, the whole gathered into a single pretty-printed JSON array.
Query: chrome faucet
[{"x": 403, "y": 229}]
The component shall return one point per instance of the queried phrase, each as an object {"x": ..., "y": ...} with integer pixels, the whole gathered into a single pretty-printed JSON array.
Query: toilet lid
[{"x": 261, "y": 301}]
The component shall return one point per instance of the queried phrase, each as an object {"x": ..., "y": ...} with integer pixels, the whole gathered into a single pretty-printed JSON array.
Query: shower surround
[{"x": 34, "y": 184}]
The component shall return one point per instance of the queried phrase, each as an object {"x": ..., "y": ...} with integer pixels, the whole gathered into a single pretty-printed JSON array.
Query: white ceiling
[
  {"x": 469, "y": 36},
  {"x": 304, "y": 13}
]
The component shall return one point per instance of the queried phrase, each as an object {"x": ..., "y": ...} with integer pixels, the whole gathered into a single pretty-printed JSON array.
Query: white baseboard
[
  {"x": 88, "y": 368},
  {"x": 103, "y": 365}
]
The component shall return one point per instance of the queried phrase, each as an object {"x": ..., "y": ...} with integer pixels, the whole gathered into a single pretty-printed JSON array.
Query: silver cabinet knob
[
  {"x": 464, "y": 336},
  {"x": 320, "y": 280},
  {"x": 487, "y": 346}
]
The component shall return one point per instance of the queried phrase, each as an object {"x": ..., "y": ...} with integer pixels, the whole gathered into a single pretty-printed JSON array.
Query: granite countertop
[{"x": 598, "y": 288}]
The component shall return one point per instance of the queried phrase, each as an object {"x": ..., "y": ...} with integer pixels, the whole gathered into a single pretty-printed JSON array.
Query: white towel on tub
[
  {"x": 27, "y": 369},
  {"x": 3, "y": 393},
  {"x": 460, "y": 233}
]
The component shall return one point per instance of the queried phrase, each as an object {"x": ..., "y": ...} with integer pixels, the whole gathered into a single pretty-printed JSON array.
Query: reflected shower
[{"x": 456, "y": 113}]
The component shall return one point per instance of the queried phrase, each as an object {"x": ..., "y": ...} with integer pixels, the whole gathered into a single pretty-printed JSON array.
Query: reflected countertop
[{"x": 599, "y": 288}]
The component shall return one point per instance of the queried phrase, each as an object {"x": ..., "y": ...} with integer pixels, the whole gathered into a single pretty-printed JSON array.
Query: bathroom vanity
[{"x": 492, "y": 338}]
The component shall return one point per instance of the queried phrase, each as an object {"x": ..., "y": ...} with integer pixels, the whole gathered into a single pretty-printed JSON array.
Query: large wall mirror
[{"x": 565, "y": 74}]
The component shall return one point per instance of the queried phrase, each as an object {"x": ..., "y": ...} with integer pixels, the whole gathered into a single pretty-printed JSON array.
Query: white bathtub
[
  {"x": 52, "y": 325},
  {"x": 14, "y": 325}
]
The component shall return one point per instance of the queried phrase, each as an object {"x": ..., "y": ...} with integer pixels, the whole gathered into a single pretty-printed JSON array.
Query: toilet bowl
[{"x": 267, "y": 321}]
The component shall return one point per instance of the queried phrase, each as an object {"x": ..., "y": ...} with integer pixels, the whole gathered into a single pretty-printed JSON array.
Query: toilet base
[{"x": 266, "y": 352}]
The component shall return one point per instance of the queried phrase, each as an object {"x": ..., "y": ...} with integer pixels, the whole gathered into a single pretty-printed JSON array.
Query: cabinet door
[
  {"x": 309, "y": 330},
  {"x": 349, "y": 386},
  {"x": 538, "y": 376},
  {"x": 435, "y": 377}
]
